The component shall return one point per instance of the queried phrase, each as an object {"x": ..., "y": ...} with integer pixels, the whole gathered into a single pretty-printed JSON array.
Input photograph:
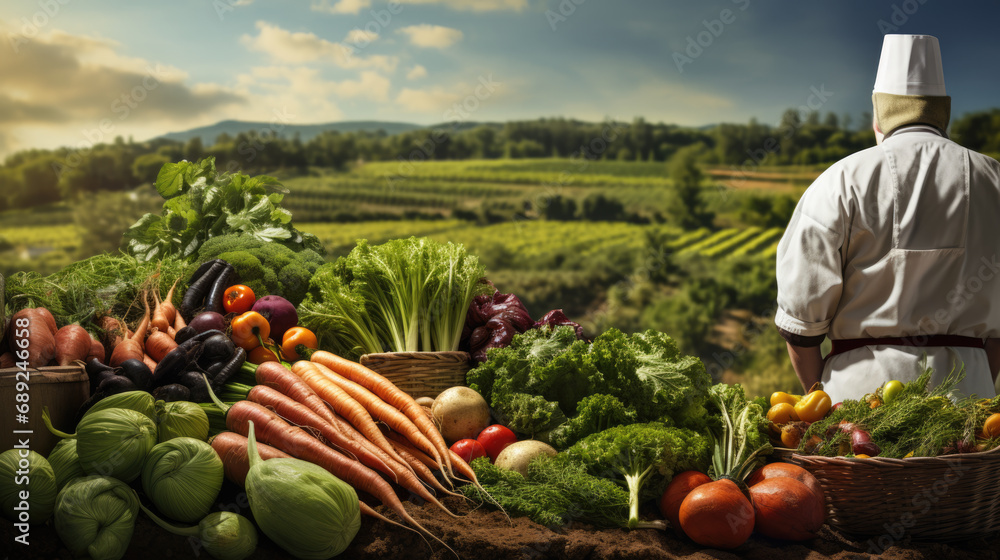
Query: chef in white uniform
[{"x": 894, "y": 252}]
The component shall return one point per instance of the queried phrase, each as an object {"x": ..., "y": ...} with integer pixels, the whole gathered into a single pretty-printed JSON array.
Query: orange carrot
[
  {"x": 381, "y": 411},
  {"x": 97, "y": 351},
  {"x": 232, "y": 449},
  {"x": 344, "y": 405},
  {"x": 281, "y": 379},
  {"x": 72, "y": 343},
  {"x": 392, "y": 395},
  {"x": 132, "y": 347},
  {"x": 271, "y": 429},
  {"x": 422, "y": 470},
  {"x": 159, "y": 344},
  {"x": 179, "y": 322},
  {"x": 300, "y": 415},
  {"x": 158, "y": 320},
  {"x": 149, "y": 361},
  {"x": 167, "y": 307}
]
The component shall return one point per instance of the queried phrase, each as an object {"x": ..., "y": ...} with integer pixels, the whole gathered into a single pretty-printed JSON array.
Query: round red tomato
[
  {"x": 495, "y": 438},
  {"x": 238, "y": 299},
  {"x": 468, "y": 449}
]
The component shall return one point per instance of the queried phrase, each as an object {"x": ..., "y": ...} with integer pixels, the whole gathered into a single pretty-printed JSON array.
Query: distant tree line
[{"x": 36, "y": 177}]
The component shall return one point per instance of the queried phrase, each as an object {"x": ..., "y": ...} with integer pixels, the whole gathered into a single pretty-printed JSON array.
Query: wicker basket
[
  {"x": 421, "y": 374},
  {"x": 950, "y": 497}
]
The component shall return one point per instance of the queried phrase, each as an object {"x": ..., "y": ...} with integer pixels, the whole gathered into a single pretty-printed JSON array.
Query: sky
[{"x": 77, "y": 73}]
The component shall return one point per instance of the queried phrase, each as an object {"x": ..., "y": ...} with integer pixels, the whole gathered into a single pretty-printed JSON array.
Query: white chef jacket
[{"x": 899, "y": 240}]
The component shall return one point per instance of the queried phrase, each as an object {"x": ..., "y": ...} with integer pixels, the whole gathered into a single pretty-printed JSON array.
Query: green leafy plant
[{"x": 201, "y": 204}]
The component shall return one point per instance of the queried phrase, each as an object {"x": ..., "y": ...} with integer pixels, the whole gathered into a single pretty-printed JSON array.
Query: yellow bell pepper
[
  {"x": 779, "y": 397},
  {"x": 813, "y": 406}
]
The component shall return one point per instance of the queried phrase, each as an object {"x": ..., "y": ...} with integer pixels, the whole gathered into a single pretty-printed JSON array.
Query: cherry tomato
[
  {"x": 261, "y": 354},
  {"x": 779, "y": 397},
  {"x": 991, "y": 428},
  {"x": 495, "y": 438},
  {"x": 782, "y": 413},
  {"x": 891, "y": 390},
  {"x": 294, "y": 337},
  {"x": 238, "y": 299},
  {"x": 468, "y": 449}
]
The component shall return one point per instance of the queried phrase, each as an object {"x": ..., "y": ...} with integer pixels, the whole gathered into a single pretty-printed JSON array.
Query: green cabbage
[
  {"x": 301, "y": 506},
  {"x": 139, "y": 401},
  {"x": 95, "y": 516},
  {"x": 112, "y": 442},
  {"x": 183, "y": 477},
  {"x": 224, "y": 534},
  {"x": 65, "y": 462},
  {"x": 180, "y": 419},
  {"x": 28, "y": 472}
]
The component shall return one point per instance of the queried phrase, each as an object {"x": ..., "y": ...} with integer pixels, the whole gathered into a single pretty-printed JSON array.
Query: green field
[{"x": 643, "y": 272}]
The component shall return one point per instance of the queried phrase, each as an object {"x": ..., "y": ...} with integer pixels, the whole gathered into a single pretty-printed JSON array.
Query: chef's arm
[
  {"x": 808, "y": 364},
  {"x": 993, "y": 353},
  {"x": 807, "y": 359}
]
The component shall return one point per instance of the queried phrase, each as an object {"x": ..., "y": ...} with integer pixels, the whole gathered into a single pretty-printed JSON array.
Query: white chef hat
[{"x": 910, "y": 65}]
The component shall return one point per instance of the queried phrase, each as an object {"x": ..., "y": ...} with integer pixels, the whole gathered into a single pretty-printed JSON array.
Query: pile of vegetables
[
  {"x": 343, "y": 403},
  {"x": 906, "y": 420},
  {"x": 550, "y": 385},
  {"x": 405, "y": 295}
]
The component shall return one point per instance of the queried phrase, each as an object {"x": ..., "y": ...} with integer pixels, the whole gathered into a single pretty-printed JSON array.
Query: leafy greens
[{"x": 201, "y": 204}]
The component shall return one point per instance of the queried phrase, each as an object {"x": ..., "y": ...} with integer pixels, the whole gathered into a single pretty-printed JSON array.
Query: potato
[
  {"x": 460, "y": 413},
  {"x": 425, "y": 401},
  {"x": 516, "y": 456}
]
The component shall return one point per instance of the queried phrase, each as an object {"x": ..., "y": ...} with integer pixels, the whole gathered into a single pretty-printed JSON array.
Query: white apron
[{"x": 899, "y": 240}]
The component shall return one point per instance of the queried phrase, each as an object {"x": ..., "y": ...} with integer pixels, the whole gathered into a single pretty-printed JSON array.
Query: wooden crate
[{"x": 60, "y": 388}]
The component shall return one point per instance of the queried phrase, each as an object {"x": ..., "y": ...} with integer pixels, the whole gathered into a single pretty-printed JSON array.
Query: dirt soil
[{"x": 487, "y": 535}]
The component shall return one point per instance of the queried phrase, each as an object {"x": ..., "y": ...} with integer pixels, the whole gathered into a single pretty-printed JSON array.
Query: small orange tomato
[
  {"x": 782, "y": 413},
  {"x": 991, "y": 428},
  {"x": 261, "y": 354},
  {"x": 862, "y": 456},
  {"x": 238, "y": 299},
  {"x": 779, "y": 397},
  {"x": 249, "y": 329},
  {"x": 294, "y": 337}
]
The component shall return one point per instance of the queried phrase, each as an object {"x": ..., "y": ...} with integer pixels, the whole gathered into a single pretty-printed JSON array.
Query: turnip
[
  {"x": 460, "y": 413},
  {"x": 516, "y": 456}
]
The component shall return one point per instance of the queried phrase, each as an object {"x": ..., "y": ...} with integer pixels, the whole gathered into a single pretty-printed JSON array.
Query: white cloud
[
  {"x": 432, "y": 36},
  {"x": 360, "y": 37},
  {"x": 436, "y": 100},
  {"x": 238, "y": 3},
  {"x": 305, "y": 92},
  {"x": 474, "y": 5},
  {"x": 341, "y": 7},
  {"x": 301, "y": 47},
  {"x": 75, "y": 90},
  {"x": 416, "y": 73}
]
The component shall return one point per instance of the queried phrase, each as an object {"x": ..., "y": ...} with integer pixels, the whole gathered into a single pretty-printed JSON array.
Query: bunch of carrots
[
  {"x": 324, "y": 410},
  {"x": 153, "y": 338}
]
